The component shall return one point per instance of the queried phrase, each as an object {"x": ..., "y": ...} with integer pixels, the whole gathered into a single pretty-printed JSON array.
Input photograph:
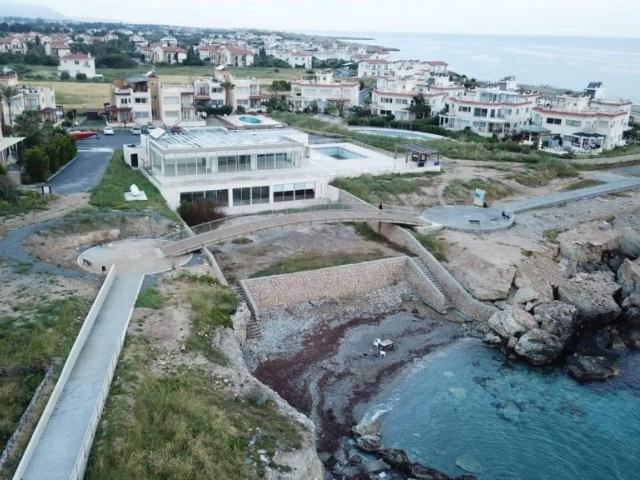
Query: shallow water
[{"x": 465, "y": 405}]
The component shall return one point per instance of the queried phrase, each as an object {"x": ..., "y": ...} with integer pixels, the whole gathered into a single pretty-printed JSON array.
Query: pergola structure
[{"x": 420, "y": 154}]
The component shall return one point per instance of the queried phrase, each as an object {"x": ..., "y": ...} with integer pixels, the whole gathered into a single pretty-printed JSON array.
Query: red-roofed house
[
  {"x": 74, "y": 64},
  {"x": 236, "y": 56},
  {"x": 158, "y": 53},
  {"x": 13, "y": 44},
  {"x": 373, "y": 67},
  {"x": 438, "y": 67},
  {"x": 60, "y": 49},
  {"x": 300, "y": 59}
]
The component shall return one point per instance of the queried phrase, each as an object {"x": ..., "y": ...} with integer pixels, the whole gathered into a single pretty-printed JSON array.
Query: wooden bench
[{"x": 474, "y": 222}]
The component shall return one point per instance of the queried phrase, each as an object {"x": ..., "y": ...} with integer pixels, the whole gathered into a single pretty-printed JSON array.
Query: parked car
[
  {"x": 108, "y": 131},
  {"x": 136, "y": 130}
]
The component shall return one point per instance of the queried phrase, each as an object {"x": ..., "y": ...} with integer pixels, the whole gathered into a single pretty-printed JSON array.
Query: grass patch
[
  {"x": 183, "y": 428},
  {"x": 24, "y": 202},
  {"x": 78, "y": 95},
  {"x": 150, "y": 298},
  {"x": 40, "y": 331},
  {"x": 212, "y": 306},
  {"x": 551, "y": 234},
  {"x": 433, "y": 244},
  {"x": 459, "y": 189},
  {"x": 543, "y": 172},
  {"x": 586, "y": 183},
  {"x": 383, "y": 188},
  {"x": 365, "y": 231},
  {"x": 15, "y": 394},
  {"x": 313, "y": 262},
  {"x": 118, "y": 177}
]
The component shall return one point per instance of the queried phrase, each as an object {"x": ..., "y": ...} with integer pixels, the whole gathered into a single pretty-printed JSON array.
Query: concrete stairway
[
  {"x": 253, "y": 329},
  {"x": 425, "y": 269}
]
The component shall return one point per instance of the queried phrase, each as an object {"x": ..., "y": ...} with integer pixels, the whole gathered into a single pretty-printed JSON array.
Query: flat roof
[
  {"x": 218, "y": 137},
  {"x": 534, "y": 129}
]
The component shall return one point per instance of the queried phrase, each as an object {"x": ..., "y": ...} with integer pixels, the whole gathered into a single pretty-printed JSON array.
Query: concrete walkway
[
  {"x": 401, "y": 217},
  {"x": 61, "y": 442},
  {"x": 562, "y": 197},
  {"x": 63, "y": 448}
]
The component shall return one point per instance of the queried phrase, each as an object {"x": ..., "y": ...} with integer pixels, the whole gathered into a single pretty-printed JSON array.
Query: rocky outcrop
[
  {"x": 587, "y": 244},
  {"x": 628, "y": 277},
  {"x": 559, "y": 319},
  {"x": 592, "y": 294},
  {"x": 539, "y": 347},
  {"x": 525, "y": 295},
  {"x": 486, "y": 278},
  {"x": 630, "y": 242},
  {"x": 592, "y": 367},
  {"x": 511, "y": 322}
]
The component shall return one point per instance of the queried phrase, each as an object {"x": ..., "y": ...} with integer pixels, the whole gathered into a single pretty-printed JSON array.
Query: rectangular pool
[{"x": 339, "y": 153}]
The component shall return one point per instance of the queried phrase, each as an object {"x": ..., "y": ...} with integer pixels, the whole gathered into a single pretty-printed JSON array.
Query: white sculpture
[{"x": 133, "y": 190}]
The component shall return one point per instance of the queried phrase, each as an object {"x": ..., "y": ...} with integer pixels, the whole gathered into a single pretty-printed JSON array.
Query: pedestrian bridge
[{"x": 224, "y": 230}]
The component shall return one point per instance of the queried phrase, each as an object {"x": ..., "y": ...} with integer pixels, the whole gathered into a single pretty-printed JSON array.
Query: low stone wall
[
  {"x": 338, "y": 282},
  {"x": 462, "y": 300}
]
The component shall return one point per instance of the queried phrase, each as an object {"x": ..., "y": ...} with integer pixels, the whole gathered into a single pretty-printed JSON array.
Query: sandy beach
[{"x": 321, "y": 358}]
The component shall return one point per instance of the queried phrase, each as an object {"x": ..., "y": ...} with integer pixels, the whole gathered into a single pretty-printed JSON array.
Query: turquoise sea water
[
  {"x": 464, "y": 405},
  {"x": 564, "y": 62}
]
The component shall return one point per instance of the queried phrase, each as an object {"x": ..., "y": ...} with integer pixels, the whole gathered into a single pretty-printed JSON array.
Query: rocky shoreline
[
  {"x": 321, "y": 359},
  {"x": 592, "y": 314}
]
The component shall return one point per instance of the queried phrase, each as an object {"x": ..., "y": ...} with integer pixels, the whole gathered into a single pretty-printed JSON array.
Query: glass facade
[
  {"x": 221, "y": 197},
  {"x": 289, "y": 192},
  {"x": 250, "y": 195}
]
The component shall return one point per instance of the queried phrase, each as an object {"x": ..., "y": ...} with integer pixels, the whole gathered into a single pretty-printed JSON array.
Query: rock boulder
[
  {"x": 592, "y": 367},
  {"x": 525, "y": 295},
  {"x": 630, "y": 242},
  {"x": 486, "y": 277},
  {"x": 592, "y": 294},
  {"x": 628, "y": 277},
  {"x": 511, "y": 322},
  {"x": 588, "y": 243},
  {"x": 539, "y": 347},
  {"x": 558, "y": 318}
]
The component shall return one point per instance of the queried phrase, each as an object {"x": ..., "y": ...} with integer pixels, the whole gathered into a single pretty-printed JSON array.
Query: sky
[{"x": 609, "y": 18}]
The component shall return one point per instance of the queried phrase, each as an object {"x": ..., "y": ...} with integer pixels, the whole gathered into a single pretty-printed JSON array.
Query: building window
[
  {"x": 480, "y": 112},
  {"x": 234, "y": 163},
  {"x": 250, "y": 196},
  {"x": 554, "y": 121},
  {"x": 220, "y": 197},
  {"x": 293, "y": 191},
  {"x": 386, "y": 100},
  {"x": 141, "y": 100},
  {"x": 603, "y": 123},
  {"x": 141, "y": 114},
  {"x": 573, "y": 123},
  {"x": 274, "y": 161},
  {"x": 464, "y": 109}
]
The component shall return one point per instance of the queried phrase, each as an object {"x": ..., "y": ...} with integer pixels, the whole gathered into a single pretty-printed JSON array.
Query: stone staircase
[
  {"x": 253, "y": 329},
  {"x": 448, "y": 305}
]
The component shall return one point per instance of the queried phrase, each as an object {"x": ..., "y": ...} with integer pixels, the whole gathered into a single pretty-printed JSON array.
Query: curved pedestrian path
[
  {"x": 226, "y": 232},
  {"x": 476, "y": 219},
  {"x": 60, "y": 445}
]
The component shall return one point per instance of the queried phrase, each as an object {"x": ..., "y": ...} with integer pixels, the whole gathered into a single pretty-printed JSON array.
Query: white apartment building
[
  {"x": 74, "y": 64},
  {"x": 325, "y": 92},
  {"x": 490, "y": 111},
  {"x": 36, "y": 99},
  {"x": 396, "y": 97},
  {"x": 246, "y": 93},
  {"x": 177, "y": 105},
  {"x": 13, "y": 44},
  {"x": 209, "y": 92},
  {"x": 159, "y": 53},
  {"x": 585, "y": 124},
  {"x": 252, "y": 170},
  {"x": 133, "y": 101},
  {"x": 374, "y": 67},
  {"x": 299, "y": 59}
]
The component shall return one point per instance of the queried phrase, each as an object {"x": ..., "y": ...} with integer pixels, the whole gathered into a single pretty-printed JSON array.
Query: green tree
[
  {"x": 36, "y": 165},
  {"x": 420, "y": 107},
  {"x": 227, "y": 86},
  {"x": 28, "y": 125}
]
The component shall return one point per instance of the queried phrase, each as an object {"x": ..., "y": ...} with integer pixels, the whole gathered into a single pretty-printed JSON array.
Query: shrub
[
  {"x": 36, "y": 165},
  {"x": 65, "y": 76},
  {"x": 201, "y": 211}
]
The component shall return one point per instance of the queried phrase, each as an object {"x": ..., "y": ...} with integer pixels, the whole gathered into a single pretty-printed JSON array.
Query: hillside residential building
[
  {"x": 228, "y": 55},
  {"x": 374, "y": 67},
  {"x": 325, "y": 92},
  {"x": 251, "y": 170},
  {"x": 209, "y": 92},
  {"x": 36, "y": 99},
  {"x": 77, "y": 63},
  {"x": 59, "y": 49},
  {"x": 585, "y": 123},
  {"x": 498, "y": 110},
  {"x": 159, "y": 53},
  {"x": 298, "y": 59},
  {"x": 13, "y": 44},
  {"x": 177, "y": 105},
  {"x": 133, "y": 101}
]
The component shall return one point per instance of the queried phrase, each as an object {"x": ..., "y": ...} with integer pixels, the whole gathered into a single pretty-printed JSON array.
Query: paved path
[
  {"x": 562, "y": 197},
  {"x": 83, "y": 173},
  {"x": 61, "y": 444},
  {"x": 56, "y": 453},
  {"x": 320, "y": 216}
]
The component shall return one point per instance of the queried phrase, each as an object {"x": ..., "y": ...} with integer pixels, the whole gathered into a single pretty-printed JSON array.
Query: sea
[
  {"x": 466, "y": 409},
  {"x": 563, "y": 62}
]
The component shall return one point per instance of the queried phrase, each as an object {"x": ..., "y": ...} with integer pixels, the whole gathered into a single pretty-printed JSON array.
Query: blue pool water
[
  {"x": 251, "y": 120},
  {"x": 390, "y": 132},
  {"x": 464, "y": 406},
  {"x": 339, "y": 153}
]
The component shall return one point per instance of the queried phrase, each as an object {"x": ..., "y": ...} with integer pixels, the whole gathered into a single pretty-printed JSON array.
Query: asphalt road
[{"x": 87, "y": 169}]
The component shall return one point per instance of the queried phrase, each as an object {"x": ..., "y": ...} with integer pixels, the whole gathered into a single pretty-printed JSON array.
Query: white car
[
  {"x": 136, "y": 130},
  {"x": 108, "y": 131}
]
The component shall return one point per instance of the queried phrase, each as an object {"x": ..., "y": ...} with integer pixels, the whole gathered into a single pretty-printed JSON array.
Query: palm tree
[
  {"x": 227, "y": 87},
  {"x": 7, "y": 94},
  {"x": 420, "y": 107}
]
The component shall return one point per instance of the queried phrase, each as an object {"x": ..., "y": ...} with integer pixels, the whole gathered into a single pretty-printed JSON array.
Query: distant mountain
[{"x": 10, "y": 8}]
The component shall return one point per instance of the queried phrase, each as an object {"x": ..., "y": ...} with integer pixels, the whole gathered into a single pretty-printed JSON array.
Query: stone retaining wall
[
  {"x": 338, "y": 282},
  {"x": 462, "y": 300}
]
